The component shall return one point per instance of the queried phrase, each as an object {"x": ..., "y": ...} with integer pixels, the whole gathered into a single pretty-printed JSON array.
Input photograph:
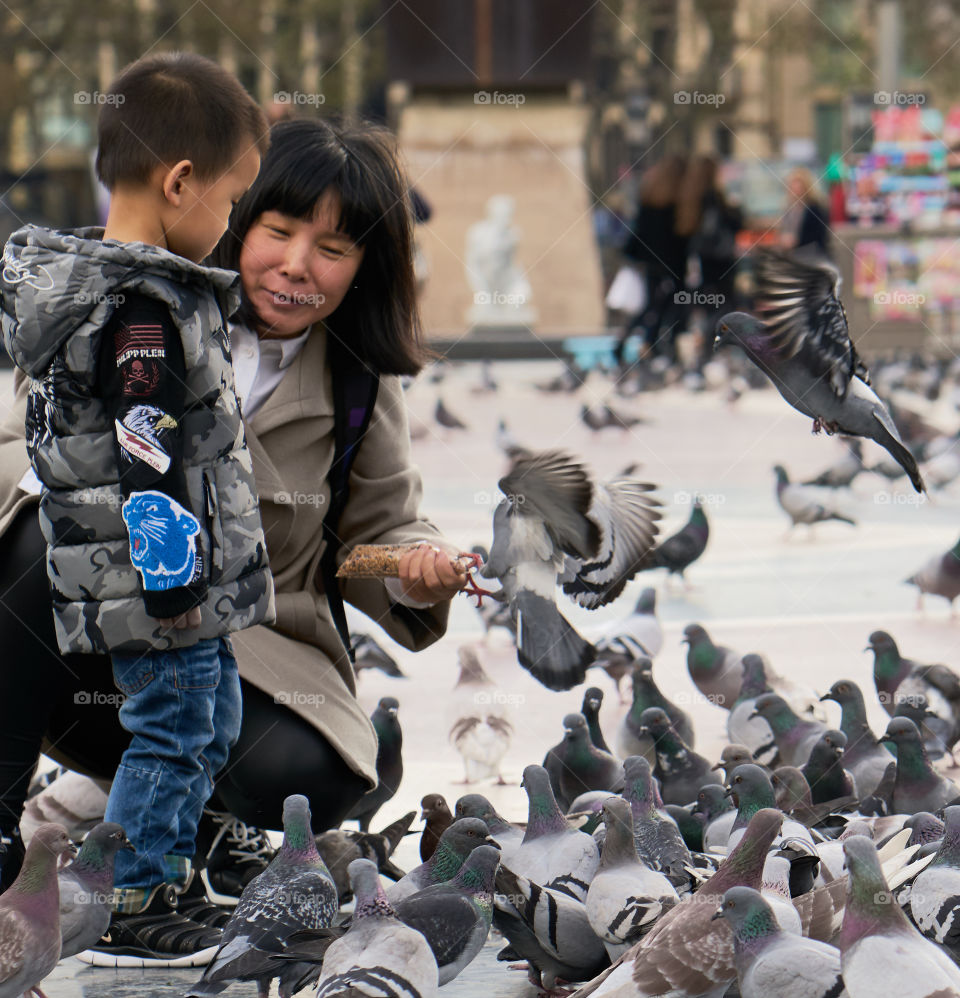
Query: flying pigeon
[
  {"x": 939, "y": 576},
  {"x": 86, "y": 888},
  {"x": 680, "y": 550},
  {"x": 436, "y": 813},
  {"x": 770, "y": 961},
  {"x": 29, "y": 914},
  {"x": 805, "y": 503},
  {"x": 555, "y": 525},
  {"x": 378, "y": 951},
  {"x": 803, "y": 345},
  {"x": 389, "y": 763},
  {"x": 294, "y": 892},
  {"x": 882, "y": 952}
]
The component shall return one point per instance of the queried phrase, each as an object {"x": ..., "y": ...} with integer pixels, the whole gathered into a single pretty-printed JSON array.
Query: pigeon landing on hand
[
  {"x": 389, "y": 763},
  {"x": 378, "y": 951},
  {"x": 29, "y": 915},
  {"x": 770, "y": 961},
  {"x": 86, "y": 886},
  {"x": 803, "y": 345},
  {"x": 939, "y": 576},
  {"x": 806, "y": 504},
  {"x": 556, "y": 525},
  {"x": 882, "y": 952}
]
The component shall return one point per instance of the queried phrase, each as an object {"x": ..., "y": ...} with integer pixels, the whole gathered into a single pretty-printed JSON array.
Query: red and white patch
[{"x": 142, "y": 449}]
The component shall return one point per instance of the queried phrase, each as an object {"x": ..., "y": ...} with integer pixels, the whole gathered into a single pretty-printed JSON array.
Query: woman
[
  {"x": 322, "y": 241},
  {"x": 805, "y": 222}
]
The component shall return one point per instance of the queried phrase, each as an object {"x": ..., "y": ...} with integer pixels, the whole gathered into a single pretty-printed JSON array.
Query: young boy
[{"x": 155, "y": 551}]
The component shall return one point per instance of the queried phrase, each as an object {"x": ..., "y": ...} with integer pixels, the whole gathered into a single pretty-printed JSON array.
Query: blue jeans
[{"x": 183, "y": 709}]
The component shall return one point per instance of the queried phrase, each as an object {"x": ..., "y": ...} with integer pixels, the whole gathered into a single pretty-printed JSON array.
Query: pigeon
[
  {"x": 918, "y": 786},
  {"x": 805, "y": 504},
  {"x": 791, "y": 791},
  {"x": 509, "y": 445},
  {"x": 569, "y": 380},
  {"x": 294, "y": 892},
  {"x": 488, "y": 384},
  {"x": 714, "y": 669},
  {"x": 455, "y": 917},
  {"x": 369, "y": 655},
  {"x": 583, "y": 766},
  {"x": 631, "y": 739},
  {"x": 339, "y": 847},
  {"x": 680, "y": 550},
  {"x": 935, "y": 892},
  {"x": 803, "y": 345},
  {"x": 446, "y": 418},
  {"x": 717, "y": 814},
  {"x": 689, "y": 825},
  {"x": 927, "y": 829},
  {"x": 794, "y": 736},
  {"x": 555, "y": 525},
  {"x": 939, "y": 576},
  {"x": 602, "y": 416},
  {"x": 864, "y": 757},
  {"x": 389, "y": 763},
  {"x": 770, "y": 961},
  {"x": 379, "y": 954},
  {"x": 734, "y": 754},
  {"x": 590, "y": 708},
  {"x": 688, "y": 953},
  {"x": 455, "y": 845},
  {"x": 657, "y": 840},
  {"x": 882, "y": 952},
  {"x": 889, "y": 668},
  {"x": 752, "y": 791},
  {"x": 508, "y": 837},
  {"x": 646, "y": 694},
  {"x": 621, "y": 642},
  {"x": 626, "y": 897},
  {"x": 553, "y": 853},
  {"x": 29, "y": 914},
  {"x": 86, "y": 888},
  {"x": 679, "y": 769},
  {"x": 841, "y": 474},
  {"x": 482, "y": 739},
  {"x": 824, "y": 771},
  {"x": 742, "y": 727},
  {"x": 436, "y": 814}
]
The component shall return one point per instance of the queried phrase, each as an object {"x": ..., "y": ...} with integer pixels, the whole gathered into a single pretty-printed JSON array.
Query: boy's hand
[
  {"x": 189, "y": 619},
  {"x": 430, "y": 575}
]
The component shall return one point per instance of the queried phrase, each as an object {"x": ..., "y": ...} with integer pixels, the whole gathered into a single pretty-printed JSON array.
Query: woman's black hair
[{"x": 378, "y": 318}]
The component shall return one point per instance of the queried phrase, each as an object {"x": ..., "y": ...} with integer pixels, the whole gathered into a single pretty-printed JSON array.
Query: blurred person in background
[{"x": 805, "y": 223}]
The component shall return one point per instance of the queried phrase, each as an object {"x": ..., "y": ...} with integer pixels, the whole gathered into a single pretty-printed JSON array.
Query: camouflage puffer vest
[{"x": 59, "y": 290}]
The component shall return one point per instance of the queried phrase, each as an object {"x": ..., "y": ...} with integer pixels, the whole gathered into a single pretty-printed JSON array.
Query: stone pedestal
[{"x": 459, "y": 153}]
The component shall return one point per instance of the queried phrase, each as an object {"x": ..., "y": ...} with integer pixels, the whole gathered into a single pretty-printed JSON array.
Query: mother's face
[{"x": 296, "y": 272}]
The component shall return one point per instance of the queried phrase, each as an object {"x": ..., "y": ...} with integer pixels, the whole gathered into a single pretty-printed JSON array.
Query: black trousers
[{"x": 46, "y": 694}]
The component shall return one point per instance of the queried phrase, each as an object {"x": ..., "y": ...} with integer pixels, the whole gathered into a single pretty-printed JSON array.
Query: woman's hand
[{"x": 429, "y": 575}]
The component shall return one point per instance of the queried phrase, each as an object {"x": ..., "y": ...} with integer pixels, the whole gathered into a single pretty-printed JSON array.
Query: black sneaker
[
  {"x": 11, "y": 857},
  {"x": 156, "y": 935},
  {"x": 193, "y": 903},
  {"x": 229, "y": 855}
]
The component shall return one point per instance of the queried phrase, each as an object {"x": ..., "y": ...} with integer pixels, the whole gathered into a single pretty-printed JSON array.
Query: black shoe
[
  {"x": 229, "y": 855},
  {"x": 11, "y": 857},
  {"x": 194, "y": 904},
  {"x": 155, "y": 936}
]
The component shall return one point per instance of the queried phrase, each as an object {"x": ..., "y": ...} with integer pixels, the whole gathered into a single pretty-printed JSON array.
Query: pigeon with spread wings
[
  {"x": 802, "y": 343},
  {"x": 555, "y": 525}
]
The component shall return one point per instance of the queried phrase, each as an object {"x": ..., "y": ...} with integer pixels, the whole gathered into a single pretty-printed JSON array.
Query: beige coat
[{"x": 299, "y": 659}]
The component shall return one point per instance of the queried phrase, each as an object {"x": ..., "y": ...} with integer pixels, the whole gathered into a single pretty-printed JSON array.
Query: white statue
[{"x": 501, "y": 292}]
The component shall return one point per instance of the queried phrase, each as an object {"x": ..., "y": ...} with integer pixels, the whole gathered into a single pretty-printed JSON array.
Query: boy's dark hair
[
  {"x": 173, "y": 106},
  {"x": 378, "y": 318}
]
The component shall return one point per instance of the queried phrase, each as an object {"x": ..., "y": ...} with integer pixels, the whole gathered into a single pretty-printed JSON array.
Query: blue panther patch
[{"x": 162, "y": 539}]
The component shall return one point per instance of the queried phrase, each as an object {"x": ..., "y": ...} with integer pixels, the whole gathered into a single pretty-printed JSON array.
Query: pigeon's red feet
[
  {"x": 471, "y": 562},
  {"x": 828, "y": 428}
]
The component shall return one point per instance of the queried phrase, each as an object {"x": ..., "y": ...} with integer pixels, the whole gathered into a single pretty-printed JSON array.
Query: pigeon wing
[
  {"x": 14, "y": 933},
  {"x": 798, "y": 301}
]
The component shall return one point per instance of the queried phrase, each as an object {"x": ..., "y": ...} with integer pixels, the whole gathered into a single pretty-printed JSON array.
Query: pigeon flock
[{"x": 809, "y": 856}]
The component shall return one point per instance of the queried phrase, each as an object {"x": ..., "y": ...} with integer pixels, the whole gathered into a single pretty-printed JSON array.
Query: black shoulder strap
[{"x": 354, "y": 396}]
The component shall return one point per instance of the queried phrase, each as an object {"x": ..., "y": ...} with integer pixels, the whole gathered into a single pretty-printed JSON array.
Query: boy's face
[{"x": 195, "y": 226}]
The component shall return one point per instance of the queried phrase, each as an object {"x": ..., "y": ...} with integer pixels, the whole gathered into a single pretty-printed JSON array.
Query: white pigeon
[
  {"x": 935, "y": 893},
  {"x": 808, "y": 504}
]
